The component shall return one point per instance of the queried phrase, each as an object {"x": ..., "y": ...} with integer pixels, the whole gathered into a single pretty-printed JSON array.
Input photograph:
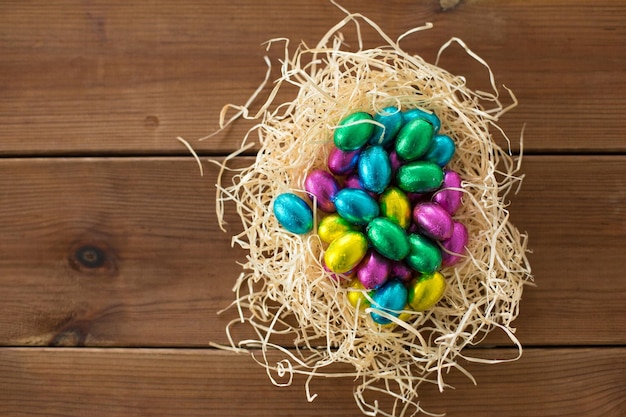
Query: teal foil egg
[
  {"x": 374, "y": 169},
  {"x": 356, "y": 206},
  {"x": 390, "y": 298},
  {"x": 391, "y": 119},
  {"x": 421, "y": 114},
  {"x": 293, "y": 213},
  {"x": 441, "y": 151},
  {"x": 354, "y": 131}
]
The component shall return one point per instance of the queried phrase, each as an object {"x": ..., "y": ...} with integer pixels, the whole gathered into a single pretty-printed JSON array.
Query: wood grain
[
  {"x": 137, "y": 382},
  {"x": 119, "y": 77},
  {"x": 167, "y": 268}
]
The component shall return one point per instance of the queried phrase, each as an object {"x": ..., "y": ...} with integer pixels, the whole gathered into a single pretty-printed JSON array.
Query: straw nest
[{"x": 284, "y": 293}]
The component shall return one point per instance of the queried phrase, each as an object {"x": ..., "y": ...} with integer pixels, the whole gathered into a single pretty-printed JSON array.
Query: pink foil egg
[
  {"x": 343, "y": 162},
  {"x": 448, "y": 198},
  {"x": 433, "y": 220},
  {"x": 373, "y": 271},
  {"x": 455, "y": 244},
  {"x": 324, "y": 187}
]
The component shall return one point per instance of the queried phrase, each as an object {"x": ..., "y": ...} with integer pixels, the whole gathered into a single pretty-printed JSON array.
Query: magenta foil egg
[
  {"x": 343, "y": 162},
  {"x": 324, "y": 187},
  {"x": 433, "y": 221},
  {"x": 447, "y": 197},
  {"x": 373, "y": 271},
  {"x": 455, "y": 245}
]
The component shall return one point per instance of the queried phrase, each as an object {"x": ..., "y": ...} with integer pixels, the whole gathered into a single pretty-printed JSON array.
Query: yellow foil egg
[
  {"x": 345, "y": 252},
  {"x": 333, "y": 226},
  {"x": 404, "y": 316},
  {"x": 356, "y": 294},
  {"x": 426, "y": 290},
  {"x": 395, "y": 205}
]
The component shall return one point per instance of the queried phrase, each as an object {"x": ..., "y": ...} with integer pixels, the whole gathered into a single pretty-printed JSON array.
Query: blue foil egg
[
  {"x": 391, "y": 119},
  {"x": 441, "y": 150},
  {"x": 390, "y": 298},
  {"x": 293, "y": 213},
  {"x": 421, "y": 114},
  {"x": 356, "y": 206},
  {"x": 375, "y": 169}
]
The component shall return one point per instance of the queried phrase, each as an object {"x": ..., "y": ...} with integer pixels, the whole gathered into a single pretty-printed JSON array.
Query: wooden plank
[
  {"x": 167, "y": 268},
  {"x": 120, "y": 77},
  {"x": 138, "y": 382}
]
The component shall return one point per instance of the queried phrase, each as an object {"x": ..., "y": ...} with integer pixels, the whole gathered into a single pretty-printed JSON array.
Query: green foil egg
[
  {"x": 354, "y": 131},
  {"x": 414, "y": 139},
  {"x": 395, "y": 205},
  {"x": 333, "y": 226},
  {"x": 419, "y": 177},
  {"x": 424, "y": 255},
  {"x": 388, "y": 238},
  {"x": 345, "y": 252},
  {"x": 426, "y": 290}
]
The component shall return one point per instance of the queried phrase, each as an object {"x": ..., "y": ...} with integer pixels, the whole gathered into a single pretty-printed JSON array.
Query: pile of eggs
[{"x": 388, "y": 203}]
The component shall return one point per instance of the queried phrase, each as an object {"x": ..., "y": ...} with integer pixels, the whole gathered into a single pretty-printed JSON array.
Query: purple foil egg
[
  {"x": 455, "y": 244},
  {"x": 373, "y": 271},
  {"x": 401, "y": 271},
  {"x": 343, "y": 162},
  {"x": 395, "y": 161},
  {"x": 353, "y": 181},
  {"x": 324, "y": 187},
  {"x": 446, "y": 197},
  {"x": 433, "y": 220}
]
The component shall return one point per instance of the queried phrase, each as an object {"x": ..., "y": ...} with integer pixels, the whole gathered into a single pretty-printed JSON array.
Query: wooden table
[{"x": 112, "y": 266}]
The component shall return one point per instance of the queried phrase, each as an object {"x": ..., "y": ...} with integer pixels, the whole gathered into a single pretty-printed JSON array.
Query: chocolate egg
[
  {"x": 293, "y": 213},
  {"x": 333, "y": 226},
  {"x": 342, "y": 162},
  {"x": 447, "y": 197},
  {"x": 395, "y": 161},
  {"x": 354, "y": 131},
  {"x": 426, "y": 290},
  {"x": 390, "y": 298},
  {"x": 391, "y": 119},
  {"x": 456, "y": 245},
  {"x": 414, "y": 139},
  {"x": 424, "y": 255},
  {"x": 324, "y": 187},
  {"x": 441, "y": 150},
  {"x": 433, "y": 220},
  {"x": 374, "y": 169},
  {"x": 419, "y": 177},
  {"x": 356, "y": 294},
  {"x": 373, "y": 271},
  {"x": 421, "y": 114},
  {"x": 356, "y": 206},
  {"x": 345, "y": 252},
  {"x": 394, "y": 204},
  {"x": 401, "y": 271},
  {"x": 388, "y": 238}
]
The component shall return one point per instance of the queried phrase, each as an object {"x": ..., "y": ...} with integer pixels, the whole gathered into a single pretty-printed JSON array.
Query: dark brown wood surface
[{"x": 112, "y": 265}]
